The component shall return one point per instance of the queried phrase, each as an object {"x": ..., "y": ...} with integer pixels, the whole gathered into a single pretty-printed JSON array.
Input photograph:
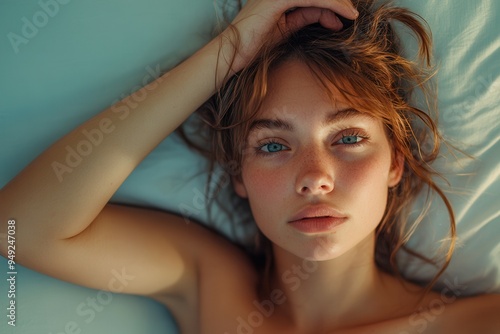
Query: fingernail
[{"x": 355, "y": 12}]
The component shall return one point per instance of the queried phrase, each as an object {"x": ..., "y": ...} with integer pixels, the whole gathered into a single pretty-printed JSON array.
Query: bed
[{"x": 62, "y": 62}]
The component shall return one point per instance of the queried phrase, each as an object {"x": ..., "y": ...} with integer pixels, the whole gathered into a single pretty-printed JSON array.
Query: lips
[
  {"x": 316, "y": 219},
  {"x": 317, "y": 211}
]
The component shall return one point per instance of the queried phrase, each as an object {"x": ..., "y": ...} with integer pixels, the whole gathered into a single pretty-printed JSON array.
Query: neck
[{"x": 323, "y": 294}]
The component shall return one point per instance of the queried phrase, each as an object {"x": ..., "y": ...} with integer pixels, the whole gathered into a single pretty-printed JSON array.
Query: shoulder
[
  {"x": 172, "y": 248},
  {"x": 439, "y": 311},
  {"x": 220, "y": 285},
  {"x": 442, "y": 311},
  {"x": 438, "y": 314},
  {"x": 477, "y": 314},
  {"x": 214, "y": 260}
]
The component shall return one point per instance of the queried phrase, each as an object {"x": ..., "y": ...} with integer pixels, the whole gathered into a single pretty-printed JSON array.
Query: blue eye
[
  {"x": 352, "y": 138},
  {"x": 349, "y": 140},
  {"x": 272, "y": 147}
]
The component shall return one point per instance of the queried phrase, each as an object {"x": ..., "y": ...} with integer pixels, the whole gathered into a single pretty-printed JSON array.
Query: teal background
[{"x": 92, "y": 53}]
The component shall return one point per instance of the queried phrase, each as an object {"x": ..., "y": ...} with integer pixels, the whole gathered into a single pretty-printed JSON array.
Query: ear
[
  {"x": 397, "y": 167},
  {"x": 239, "y": 187}
]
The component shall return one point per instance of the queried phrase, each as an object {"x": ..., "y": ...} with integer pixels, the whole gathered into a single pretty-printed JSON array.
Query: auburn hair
[{"x": 364, "y": 61}]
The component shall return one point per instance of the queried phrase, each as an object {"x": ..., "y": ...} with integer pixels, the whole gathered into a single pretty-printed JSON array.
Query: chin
[{"x": 322, "y": 251}]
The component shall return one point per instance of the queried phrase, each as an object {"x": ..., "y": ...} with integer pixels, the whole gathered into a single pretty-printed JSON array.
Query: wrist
[{"x": 231, "y": 52}]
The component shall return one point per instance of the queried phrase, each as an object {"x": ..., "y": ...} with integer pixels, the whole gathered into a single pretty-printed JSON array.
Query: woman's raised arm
[{"x": 63, "y": 190}]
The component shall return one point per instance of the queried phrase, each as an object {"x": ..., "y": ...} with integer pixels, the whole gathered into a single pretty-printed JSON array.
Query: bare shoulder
[
  {"x": 477, "y": 314},
  {"x": 440, "y": 311},
  {"x": 221, "y": 286},
  {"x": 216, "y": 261}
]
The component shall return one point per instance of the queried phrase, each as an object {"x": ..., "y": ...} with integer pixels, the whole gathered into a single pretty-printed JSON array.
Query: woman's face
[{"x": 305, "y": 152}]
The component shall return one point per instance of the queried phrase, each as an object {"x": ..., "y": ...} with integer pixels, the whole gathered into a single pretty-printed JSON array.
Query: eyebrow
[{"x": 280, "y": 124}]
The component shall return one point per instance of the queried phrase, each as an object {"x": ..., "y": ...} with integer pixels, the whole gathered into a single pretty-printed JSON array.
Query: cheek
[
  {"x": 364, "y": 172},
  {"x": 265, "y": 184},
  {"x": 363, "y": 186},
  {"x": 267, "y": 190}
]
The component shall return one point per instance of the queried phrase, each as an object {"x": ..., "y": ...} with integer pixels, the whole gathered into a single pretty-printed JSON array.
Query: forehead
[
  {"x": 293, "y": 88},
  {"x": 294, "y": 85}
]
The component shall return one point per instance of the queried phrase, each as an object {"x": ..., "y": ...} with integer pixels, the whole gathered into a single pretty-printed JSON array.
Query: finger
[
  {"x": 302, "y": 17},
  {"x": 330, "y": 20},
  {"x": 344, "y": 8}
]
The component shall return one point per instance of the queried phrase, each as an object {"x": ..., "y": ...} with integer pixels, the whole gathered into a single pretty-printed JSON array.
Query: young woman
[{"x": 314, "y": 126}]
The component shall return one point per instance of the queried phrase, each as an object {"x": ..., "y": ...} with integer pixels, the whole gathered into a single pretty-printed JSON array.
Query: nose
[{"x": 316, "y": 176}]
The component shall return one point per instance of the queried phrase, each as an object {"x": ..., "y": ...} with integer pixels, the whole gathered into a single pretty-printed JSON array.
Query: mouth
[
  {"x": 317, "y": 224},
  {"x": 317, "y": 219}
]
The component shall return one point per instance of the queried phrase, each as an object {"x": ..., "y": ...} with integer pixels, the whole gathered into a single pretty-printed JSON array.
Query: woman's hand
[{"x": 262, "y": 20}]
